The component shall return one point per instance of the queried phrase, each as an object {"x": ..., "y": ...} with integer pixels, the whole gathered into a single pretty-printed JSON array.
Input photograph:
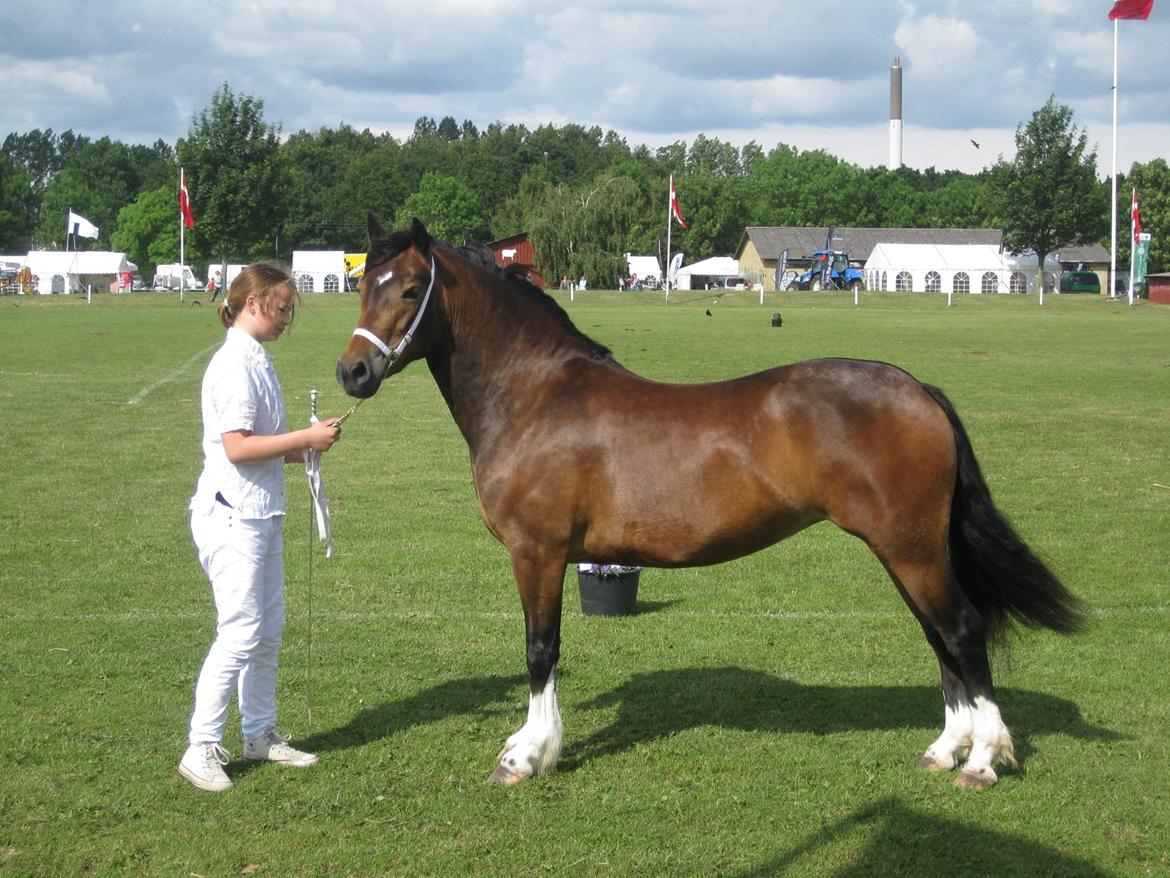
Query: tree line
[{"x": 585, "y": 196}]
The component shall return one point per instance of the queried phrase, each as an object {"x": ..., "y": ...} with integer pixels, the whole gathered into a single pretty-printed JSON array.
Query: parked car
[
  {"x": 1080, "y": 282},
  {"x": 730, "y": 283}
]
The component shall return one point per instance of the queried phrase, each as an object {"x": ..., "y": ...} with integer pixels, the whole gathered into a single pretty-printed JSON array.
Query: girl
[{"x": 237, "y": 518}]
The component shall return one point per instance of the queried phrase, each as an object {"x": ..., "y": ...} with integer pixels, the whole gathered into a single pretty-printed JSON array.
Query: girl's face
[{"x": 273, "y": 316}]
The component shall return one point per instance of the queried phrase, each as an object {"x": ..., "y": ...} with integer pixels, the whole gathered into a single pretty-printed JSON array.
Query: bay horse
[{"x": 566, "y": 455}]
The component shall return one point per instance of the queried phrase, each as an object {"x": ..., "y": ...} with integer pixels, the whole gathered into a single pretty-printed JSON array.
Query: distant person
[
  {"x": 211, "y": 287},
  {"x": 237, "y": 521}
]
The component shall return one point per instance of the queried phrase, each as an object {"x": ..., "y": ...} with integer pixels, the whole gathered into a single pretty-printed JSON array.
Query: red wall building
[
  {"x": 517, "y": 249},
  {"x": 1158, "y": 286}
]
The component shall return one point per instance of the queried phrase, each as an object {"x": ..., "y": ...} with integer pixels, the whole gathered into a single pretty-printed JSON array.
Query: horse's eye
[{"x": 412, "y": 293}]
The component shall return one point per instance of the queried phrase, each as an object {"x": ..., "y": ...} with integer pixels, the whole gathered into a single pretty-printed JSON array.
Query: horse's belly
[{"x": 710, "y": 511}]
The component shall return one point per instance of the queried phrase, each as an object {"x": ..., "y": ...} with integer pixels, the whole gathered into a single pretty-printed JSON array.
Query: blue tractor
[{"x": 830, "y": 270}]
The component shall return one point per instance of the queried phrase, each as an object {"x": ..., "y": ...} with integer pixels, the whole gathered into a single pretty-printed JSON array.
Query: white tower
[{"x": 895, "y": 161}]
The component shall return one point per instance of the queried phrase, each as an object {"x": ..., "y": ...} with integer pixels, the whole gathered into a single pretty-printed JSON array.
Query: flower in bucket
[{"x": 607, "y": 571}]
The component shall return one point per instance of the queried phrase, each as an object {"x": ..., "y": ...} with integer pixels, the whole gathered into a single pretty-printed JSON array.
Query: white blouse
[{"x": 240, "y": 392}]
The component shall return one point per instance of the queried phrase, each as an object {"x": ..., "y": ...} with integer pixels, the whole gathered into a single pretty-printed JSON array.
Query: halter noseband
[{"x": 392, "y": 354}]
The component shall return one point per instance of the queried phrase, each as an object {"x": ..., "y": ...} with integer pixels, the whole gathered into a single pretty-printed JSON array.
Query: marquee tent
[
  {"x": 953, "y": 268},
  {"x": 319, "y": 271},
  {"x": 57, "y": 271},
  {"x": 643, "y": 267},
  {"x": 699, "y": 274}
]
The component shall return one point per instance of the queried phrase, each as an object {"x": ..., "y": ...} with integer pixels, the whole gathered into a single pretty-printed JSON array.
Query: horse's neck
[{"x": 498, "y": 347}]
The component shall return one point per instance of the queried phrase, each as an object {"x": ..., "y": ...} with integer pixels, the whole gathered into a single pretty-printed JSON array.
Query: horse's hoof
[
  {"x": 978, "y": 782},
  {"x": 930, "y": 762},
  {"x": 503, "y": 774}
]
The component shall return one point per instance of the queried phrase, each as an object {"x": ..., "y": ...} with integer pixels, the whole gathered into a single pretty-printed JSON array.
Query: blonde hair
[{"x": 261, "y": 280}]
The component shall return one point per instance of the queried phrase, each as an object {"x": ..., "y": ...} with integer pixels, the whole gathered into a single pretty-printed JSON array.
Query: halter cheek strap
[{"x": 392, "y": 354}]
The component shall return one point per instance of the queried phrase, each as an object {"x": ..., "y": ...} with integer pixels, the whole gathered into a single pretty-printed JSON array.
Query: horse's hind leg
[
  {"x": 536, "y": 746},
  {"x": 955, "y": 630},
  {"x": 953, "y": 745}
]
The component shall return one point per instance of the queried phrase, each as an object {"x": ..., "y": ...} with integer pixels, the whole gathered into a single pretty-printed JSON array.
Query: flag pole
[
  {"x": 669, "y": 206},
  {"x": 1113, "y": 222},
  {"x": 1132, "y": 243},
  {"x": 182, "y": 241}
]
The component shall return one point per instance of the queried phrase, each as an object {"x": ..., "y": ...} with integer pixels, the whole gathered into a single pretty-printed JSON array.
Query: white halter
[{"x": 392, "y": 354}]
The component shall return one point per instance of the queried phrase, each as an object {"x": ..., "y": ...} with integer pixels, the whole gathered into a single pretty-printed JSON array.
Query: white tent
[
  {"x": 319, "y": 271},
  {"x": 953, "y": 268},
  {"x": 643, "y": 267},
  {"x": 58, "y": 271},
  {"x": 698, "y": 274}
]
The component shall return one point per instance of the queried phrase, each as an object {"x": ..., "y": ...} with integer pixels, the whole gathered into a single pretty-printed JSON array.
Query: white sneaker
[
  {"x": 271, "y": 747},
  {"x": 203, "y": 764}
]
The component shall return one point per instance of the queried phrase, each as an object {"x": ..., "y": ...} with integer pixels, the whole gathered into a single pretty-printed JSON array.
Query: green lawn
[{"x": 758, "y": 718}]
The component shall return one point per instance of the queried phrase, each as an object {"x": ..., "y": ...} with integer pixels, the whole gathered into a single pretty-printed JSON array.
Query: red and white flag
[
  {"x": 1136, "y": 217},
  {"x": 1139, "y": 9},
  {"x": 675, "y": 208},
  {"x": 185, "y": 202}
]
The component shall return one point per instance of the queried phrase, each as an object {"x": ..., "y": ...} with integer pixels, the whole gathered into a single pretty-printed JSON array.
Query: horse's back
[{"x": 681, "y": 474}]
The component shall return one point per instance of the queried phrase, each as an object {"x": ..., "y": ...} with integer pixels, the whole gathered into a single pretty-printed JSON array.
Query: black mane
[{"x": 515, "y": 277}]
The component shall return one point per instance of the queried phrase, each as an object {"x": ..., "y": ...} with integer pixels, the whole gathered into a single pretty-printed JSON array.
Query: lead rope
[
  {"x": 390, "y": 355},
  {"x": 309, "y": 637}
]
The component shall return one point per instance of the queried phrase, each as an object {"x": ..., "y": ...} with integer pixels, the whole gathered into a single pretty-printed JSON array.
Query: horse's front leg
[{"x": 535, "y": 748}]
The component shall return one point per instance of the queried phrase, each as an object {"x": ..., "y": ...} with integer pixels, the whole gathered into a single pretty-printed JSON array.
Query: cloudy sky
[{"x": 808, "y": 74}]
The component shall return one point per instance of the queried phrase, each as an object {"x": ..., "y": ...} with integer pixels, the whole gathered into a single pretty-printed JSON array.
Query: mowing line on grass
[
  {"x": 178, "y": 373},
  {"x": 508, "y": 615}
]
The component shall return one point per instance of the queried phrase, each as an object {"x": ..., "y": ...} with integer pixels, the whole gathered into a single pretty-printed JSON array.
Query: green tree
[
  {"x": 235, "y": 177},
  {"x": 16, "y": 206},
  {"x": 98, "y": 180},
  {"x": 1049, "y": 197},
  {"x": 374, "y": 184},
  {"x": 583, "y": 231},
  {"x": 1152, "y": 181},
  {"x": 715, "y": 209},
  {"x": 321, "y": 212},
  {"x": 43, "y": 154},
  {"x": 148, "y": 230},
  {"x": 445, "y": 205}
]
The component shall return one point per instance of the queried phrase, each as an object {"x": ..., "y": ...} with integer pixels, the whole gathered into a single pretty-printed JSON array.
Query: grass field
[{"x": 757, "y": 718}]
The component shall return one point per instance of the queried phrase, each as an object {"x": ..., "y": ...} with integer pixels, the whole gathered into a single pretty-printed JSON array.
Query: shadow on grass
[
  {"x": 904, "y": 842},
  {"x": 485, "y": 696},
  {"x": 659, "y": 704}
]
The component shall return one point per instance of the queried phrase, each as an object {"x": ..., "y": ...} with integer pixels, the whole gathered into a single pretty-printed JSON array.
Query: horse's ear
[
  {"x": 419, "y": 236},
  {"x": 374, "y": 229}
]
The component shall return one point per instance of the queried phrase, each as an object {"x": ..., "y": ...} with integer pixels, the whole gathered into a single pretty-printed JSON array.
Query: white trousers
[{"x": 244, "y": 559}]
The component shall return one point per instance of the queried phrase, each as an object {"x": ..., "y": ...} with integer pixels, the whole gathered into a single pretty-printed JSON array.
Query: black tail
[{"x": 999, "y": 574}]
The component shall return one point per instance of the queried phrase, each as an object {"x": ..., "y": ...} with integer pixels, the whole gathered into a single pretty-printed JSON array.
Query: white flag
[{"x": 80, "y": 226}]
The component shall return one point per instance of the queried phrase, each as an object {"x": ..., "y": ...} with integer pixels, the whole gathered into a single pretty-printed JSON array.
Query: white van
[{"x": 166, "y": 277}]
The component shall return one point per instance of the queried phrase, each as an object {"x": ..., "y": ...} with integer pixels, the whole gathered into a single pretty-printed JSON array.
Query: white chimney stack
[{"x": 895, "y": 161}]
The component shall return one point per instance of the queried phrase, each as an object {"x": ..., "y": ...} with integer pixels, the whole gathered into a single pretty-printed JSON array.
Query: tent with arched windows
[
  {"x": 953, "y": 268},
  {"x": 319, "y": 271},
  {"x": 58, "y": 271}
]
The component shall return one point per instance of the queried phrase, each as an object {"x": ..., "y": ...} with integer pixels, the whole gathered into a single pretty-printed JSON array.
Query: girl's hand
[{"x": 323, "y": 434}]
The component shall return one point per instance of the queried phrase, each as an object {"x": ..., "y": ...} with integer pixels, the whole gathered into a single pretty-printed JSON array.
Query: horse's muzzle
[{"x": 359, "y": 377}]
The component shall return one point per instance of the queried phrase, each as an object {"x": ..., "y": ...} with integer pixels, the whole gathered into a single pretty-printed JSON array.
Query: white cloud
[
  {"x": 810, "y": 74},
  {"x": 933, "y": 45}
]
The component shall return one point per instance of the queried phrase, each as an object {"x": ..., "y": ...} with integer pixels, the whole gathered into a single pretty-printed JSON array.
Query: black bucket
[{"x": 609, "y": 596}]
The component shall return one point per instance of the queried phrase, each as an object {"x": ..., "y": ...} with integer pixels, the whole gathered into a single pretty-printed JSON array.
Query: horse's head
[{"x": 396, "y": 293}]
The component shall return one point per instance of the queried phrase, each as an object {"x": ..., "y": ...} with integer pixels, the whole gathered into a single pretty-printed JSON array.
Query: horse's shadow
[
  {"x": 902, "y": 841},
  {"x": 483, "y": 696},
  {"x": 659, "y": 704}
]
